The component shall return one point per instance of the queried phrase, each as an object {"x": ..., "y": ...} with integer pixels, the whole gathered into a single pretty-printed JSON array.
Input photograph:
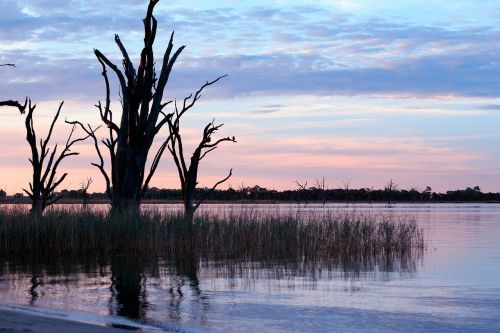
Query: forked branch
[{"x": 91, "y": 132}]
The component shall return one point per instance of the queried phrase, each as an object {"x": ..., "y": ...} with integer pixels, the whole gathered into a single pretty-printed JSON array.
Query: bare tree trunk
[
  {"x": 130, "y": 140},
  {"x": 188, "y": 174},
  {"x": 44, "y": 181}
]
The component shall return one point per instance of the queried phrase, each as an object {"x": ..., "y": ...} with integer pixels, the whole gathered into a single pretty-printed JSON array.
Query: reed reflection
[
  {"x": 185, "y": 286},
  {"x": 186, "y": 280}
]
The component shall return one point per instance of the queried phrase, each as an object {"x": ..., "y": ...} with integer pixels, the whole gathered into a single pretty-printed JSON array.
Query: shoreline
[
  {"x": 15, "y": 318},
  {"x": 14, "y": 201}
]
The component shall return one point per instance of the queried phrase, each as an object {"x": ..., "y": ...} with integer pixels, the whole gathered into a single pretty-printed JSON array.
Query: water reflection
[
  {"x": 128, "y": 287},
  {"x": 177, "y": 290},
  {"x": 35, "y": 283}
]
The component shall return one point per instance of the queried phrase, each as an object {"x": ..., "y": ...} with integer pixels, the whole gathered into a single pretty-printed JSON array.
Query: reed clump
[{"x": 244, "y": 236}]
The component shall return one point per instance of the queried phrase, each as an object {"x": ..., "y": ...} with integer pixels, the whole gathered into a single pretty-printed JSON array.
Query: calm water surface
[{"x": 453, "y": 287}]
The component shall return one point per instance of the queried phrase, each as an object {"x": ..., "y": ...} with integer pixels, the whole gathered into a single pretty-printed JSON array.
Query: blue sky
[{"x": 358, "y": 90}]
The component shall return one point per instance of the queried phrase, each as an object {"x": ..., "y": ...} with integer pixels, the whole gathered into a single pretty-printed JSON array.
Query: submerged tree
[
  {"x": 45, "y": 178},
  {"x": 188, "y": 172},
  {"x": 130, "y": 140}
]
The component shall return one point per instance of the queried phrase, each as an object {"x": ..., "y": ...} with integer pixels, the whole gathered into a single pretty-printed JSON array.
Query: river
[{"x": 453, "y": 287}]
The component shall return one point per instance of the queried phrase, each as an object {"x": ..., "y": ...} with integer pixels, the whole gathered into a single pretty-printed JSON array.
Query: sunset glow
[{"x": 358, "y": 90}]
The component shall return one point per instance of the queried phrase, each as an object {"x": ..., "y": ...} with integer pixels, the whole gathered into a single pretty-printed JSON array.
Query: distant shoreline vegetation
[{"x": 264, "y": 195}]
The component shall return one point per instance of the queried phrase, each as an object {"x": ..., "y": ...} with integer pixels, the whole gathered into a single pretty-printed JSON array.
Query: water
[{"x": 453, "y": 287}]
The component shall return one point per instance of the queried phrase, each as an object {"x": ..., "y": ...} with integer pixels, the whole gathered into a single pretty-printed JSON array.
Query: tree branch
[
  {"x": 91, "y": 132},
  {"x": 16, "y": 104},
  {"x": 154, "y": 164},
  {"x": 212, "y": 189}
]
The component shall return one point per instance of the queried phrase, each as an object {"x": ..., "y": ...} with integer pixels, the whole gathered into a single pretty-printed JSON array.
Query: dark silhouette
[
  {"x": 301, "y": 190},
  {"x": 130, "y": 140},
  {"x": 45, "y": 181},
  {"x": 188, "y": 173},
  {"x": 128, "y": 293},
  {"x": 16, "y": 104},
  {"x": 346, "y": 185},
  {"x": 84, "y": 189},
  {"x": 321, "y": 186},
  {"x": 253, "y": 194},
  {"x": 390, "y": 188}
]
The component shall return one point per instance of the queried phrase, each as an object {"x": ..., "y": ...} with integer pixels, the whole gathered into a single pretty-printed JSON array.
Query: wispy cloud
[
  {"x": 334, "y": 88},
  {"x": 308, "y": 50}
]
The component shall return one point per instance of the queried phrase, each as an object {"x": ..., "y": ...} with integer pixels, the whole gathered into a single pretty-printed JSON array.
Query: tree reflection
[
  {"x": 128, "y": 288},
  {"x": 179, "y": 288},
  {"x": 186, "y": 274}
]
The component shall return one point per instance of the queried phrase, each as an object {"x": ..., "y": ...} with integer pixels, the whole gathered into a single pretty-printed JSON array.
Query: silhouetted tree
[
  {"x": 45, "y": 180},
  {"x": 302, "y": 188},
  {"x": 84, "y": 188},
  {"x": 188, "y": 172},
  {"x": 427, "y": 193},
  {"x": 321, "y": 186},
  {"x": 130, "y": 140},
  {"x": 389, "y": 189},
  {"x": 346, "y": 185},
  {"x": 369, "y": 192}
]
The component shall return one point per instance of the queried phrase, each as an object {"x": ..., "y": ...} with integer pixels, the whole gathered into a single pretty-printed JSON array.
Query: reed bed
[{"x": 240, "y": 236}]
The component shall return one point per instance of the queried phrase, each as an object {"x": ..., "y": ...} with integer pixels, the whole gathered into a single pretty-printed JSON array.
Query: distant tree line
[
  {"x": 315, "y": 194},
  {"x": 301, "y": 195}
]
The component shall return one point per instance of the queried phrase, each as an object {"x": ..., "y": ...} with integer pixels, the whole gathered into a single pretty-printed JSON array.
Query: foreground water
[{"x": 453, "y": 287}]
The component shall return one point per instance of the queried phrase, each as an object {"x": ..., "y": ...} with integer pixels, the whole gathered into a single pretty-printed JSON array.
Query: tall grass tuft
[{"x": 241, "y": 236}]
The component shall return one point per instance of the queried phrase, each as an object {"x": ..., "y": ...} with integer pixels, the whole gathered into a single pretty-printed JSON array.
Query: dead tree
[
  {"x": 369, "y": 191},
  {"x": 130, "y": 140},
  {"x": 188, "y": 173},
  {"x": 84, "y": 188},
  {"x": 321, "y": 186},
  {"x": 302, "y": 188},
  {"x": 390, "y": 188},
  {"x": 45, "y": 178},
  {"x": 346, "y": 186}
]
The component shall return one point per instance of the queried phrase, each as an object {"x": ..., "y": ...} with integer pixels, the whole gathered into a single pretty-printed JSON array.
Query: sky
[{"x": 356, "y": 91}]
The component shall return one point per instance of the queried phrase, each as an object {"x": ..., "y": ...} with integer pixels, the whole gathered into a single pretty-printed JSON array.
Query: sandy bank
[{"x": 14, "y": 322}]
